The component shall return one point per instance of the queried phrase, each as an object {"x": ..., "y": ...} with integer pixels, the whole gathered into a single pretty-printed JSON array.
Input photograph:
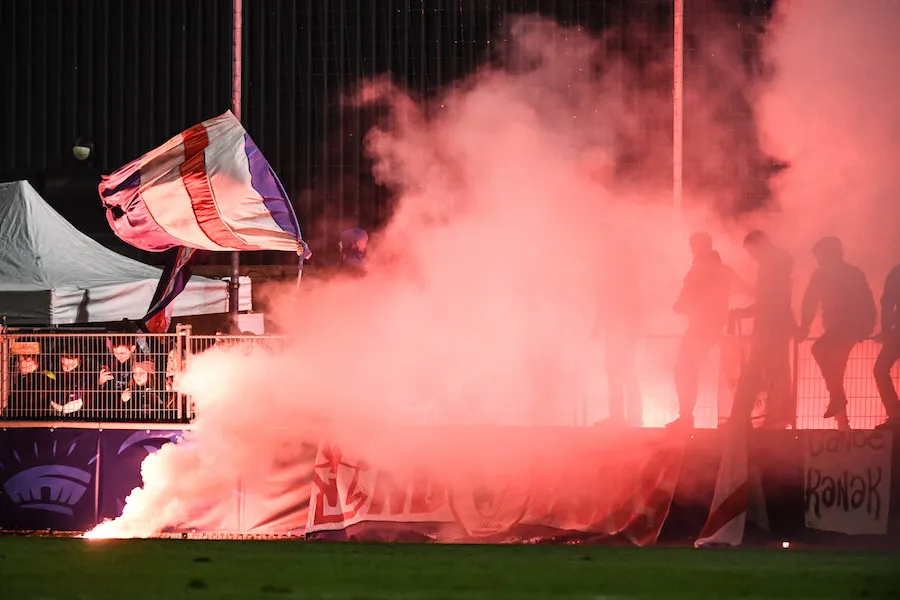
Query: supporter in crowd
[
  {"x": 704, "y": 300},
  {"x": 353, "y": 250},
  {"x": 115, "y": 372},
  {"x": 142, "y": 399},
  {"x": 72, "y": 384},
  {"x": 226, "y": 333},
  {"x": 890, "y": 349},
  {"x": 31, "y": 389},
  {"x": 174, "y": 364},
  {"x": 768, "y": 367},
  {"x": 848, "y": 317}
]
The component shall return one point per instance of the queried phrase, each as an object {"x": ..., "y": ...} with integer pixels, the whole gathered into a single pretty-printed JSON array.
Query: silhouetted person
[
  {"x": 353, "y": 250},
  {"x": 848, "y": 317},
  {"x": 890, "y": 349},
  {"x": 768, "y": 368},
  {"x": 704, "y": 300},
  {"x": 622, "y": 312}
]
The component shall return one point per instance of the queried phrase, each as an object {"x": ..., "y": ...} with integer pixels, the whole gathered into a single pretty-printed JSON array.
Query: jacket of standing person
[
  {"x": 772, "y": 314},
  {"x": 843, "y": 294},
  {"x": 704, "y": 297}
]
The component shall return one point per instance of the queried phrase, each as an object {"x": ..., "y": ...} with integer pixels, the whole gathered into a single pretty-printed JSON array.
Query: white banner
[
  {"x": 848, "y": 481},
  {"x": 561, "y": 491}
]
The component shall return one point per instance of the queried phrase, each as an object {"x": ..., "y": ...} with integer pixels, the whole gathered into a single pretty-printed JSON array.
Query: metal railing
[
  {"x": 128, "y": 378},
  {"x": 91, "y": 377},
  {"x": 864, "y": 407}
]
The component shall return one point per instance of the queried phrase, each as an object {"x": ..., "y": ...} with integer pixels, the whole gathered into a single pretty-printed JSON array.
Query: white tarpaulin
[
  {"x": 848, "y": 481},
  {"x": 51, "y": 273}
]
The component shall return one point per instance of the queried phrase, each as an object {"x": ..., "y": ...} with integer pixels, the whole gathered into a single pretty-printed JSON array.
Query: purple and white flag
[{"x": 208, "y": 188}]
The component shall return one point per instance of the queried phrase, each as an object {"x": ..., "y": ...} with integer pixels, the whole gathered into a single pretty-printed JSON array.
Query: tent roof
[
  {"x": 52, "y": 273},
  {"x": 40, "y": 250}
]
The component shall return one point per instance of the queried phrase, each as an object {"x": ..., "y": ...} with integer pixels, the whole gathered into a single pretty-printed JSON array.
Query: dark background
[{"x": 126, "y": 76}]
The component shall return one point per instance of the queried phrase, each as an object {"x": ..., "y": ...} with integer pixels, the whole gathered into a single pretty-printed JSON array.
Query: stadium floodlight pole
[
  {"x": 678, "y": 113},
  {"x": 235, "y": 284}
]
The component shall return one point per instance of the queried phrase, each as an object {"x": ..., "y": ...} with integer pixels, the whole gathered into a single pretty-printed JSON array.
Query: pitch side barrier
[{"x": 79, "y": 379}]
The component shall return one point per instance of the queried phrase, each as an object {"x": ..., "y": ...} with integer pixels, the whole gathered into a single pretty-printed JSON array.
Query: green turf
[{"x": 73, "y": 569}]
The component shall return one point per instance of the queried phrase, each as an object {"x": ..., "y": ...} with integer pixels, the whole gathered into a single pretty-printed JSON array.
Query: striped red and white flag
[
  {"x": 208, "y": 188},
  {"x": 738, "y": 495}
]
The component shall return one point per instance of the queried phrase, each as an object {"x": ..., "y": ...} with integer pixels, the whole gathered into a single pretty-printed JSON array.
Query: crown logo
[
  {"x": 54, "y": 488},
  {"x": 49, "y": 487}
]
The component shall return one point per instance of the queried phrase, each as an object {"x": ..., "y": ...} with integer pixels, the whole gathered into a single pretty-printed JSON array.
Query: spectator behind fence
[
  {"x": 141, "y": 397},
  {"x": 848, "y": 317},
  {"x": 31, "y": 389},
  {"x": 768, "y": 368},
  {"x": 72, "y": 385},
  {"x": 890, "y": 349},
  {"x": 115, "y": 373},
  {"x": 353, "y": 251}
]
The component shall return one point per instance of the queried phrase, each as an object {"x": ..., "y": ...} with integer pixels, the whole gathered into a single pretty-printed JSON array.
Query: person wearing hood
[
  {"x": 848, "y": 317},
  {"x": 353, "y": 250},
  {"x": 704, "y": 301},
  {"x": 768, "y": 368}
]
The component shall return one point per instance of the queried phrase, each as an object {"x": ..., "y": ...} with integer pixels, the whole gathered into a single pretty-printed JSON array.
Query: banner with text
[
  {"x": 588, "y": 487},
  {"x": 848, "y": 481}
]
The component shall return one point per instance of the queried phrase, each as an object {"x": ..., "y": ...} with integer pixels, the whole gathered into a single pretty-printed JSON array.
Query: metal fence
[
  {"x": 128, "y": 378},
  {"x": 864, "y": 407},
  {"x": 91, "y": 377}
]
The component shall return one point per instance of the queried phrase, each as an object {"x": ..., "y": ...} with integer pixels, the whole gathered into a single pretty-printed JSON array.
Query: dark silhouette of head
[
  {"x": 757, "y": 244},
  {"x": 701, "y": 244},
  {"x": 828, "y": 251}
]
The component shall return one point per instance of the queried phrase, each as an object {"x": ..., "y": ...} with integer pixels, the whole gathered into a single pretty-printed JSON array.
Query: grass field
[{"x": 74, "y": 569}]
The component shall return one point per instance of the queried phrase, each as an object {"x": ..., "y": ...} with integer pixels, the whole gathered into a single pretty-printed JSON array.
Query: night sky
[{"x": 126, "y": 76}]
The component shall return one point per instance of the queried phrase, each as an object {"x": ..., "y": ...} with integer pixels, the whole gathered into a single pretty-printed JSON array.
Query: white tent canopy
[{"x": 52, "y": 274}]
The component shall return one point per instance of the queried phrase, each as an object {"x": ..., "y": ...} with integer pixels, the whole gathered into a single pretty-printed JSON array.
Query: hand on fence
[
  {"x": 105, "y": 375},
  {"x": 126, "y": 396}
]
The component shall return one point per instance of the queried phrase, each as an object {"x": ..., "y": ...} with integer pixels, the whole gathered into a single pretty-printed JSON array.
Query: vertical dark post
[
  {"x": 677, "y": 112},
  {"x": 237, "y": 30}
]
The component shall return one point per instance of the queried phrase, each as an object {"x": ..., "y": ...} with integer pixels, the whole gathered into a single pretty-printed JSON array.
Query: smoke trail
[
  {"x": 513, "y": 243},
  {"x": 831, "y": 113}
]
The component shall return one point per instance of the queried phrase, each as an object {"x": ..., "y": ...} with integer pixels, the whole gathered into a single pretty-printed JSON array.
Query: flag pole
[
  {"x": 678, "y": 114},
  {"x": 237, "y": 30}
]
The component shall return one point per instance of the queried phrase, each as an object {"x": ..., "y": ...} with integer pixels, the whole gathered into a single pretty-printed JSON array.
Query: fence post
[
  {"x": 4, "y": 365},
  {"x": 795, "y": 385},
  {"x": 182, "y": 349}
]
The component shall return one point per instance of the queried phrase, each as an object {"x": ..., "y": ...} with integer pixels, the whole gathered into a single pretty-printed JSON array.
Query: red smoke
[
  {"x": 512, "y": 242},
  {"x": 831, "y": 112}
]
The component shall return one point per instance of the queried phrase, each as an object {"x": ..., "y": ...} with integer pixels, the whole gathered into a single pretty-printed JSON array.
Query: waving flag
[
  {"x": 208, "y": 188},
  {"x": 175, "y": 277}
]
